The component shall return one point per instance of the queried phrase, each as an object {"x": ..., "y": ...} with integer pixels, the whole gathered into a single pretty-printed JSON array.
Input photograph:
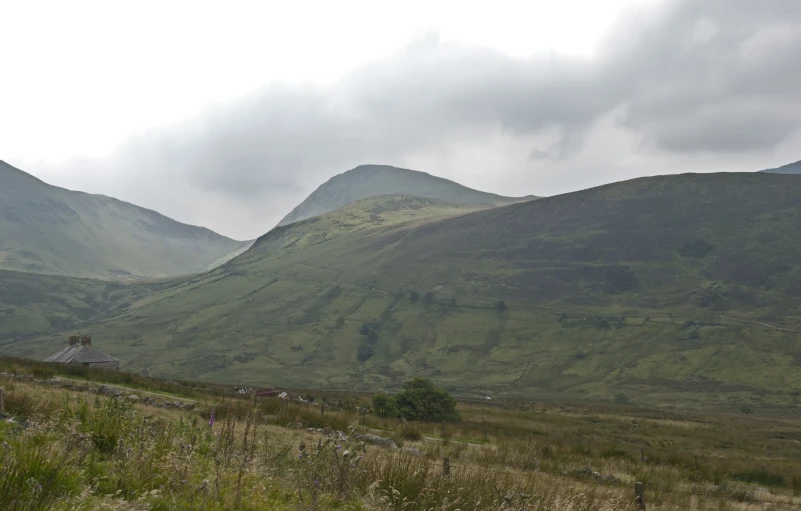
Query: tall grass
[{"x": 74, "y": 450}]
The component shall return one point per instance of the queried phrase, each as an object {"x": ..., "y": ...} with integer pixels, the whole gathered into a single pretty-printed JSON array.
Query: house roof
[{"x": 80, "y": 354}]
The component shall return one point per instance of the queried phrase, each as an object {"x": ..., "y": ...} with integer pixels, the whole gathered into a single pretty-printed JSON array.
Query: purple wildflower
[{"x": 211, "y": 419}]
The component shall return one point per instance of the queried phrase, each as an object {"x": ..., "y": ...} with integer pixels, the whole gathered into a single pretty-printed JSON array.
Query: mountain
[
  {"x": 674, "y": 289},
  {"x": 46, "y": 229},
  {"x": 372, "y": 180},
  {"x": 792, "y": 168}
]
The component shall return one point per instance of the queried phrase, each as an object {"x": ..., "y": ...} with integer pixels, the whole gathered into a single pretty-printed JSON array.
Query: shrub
[
  {"x": 622, "y": 399},
  {"x": 384, "y": 406},
  {"x": 420, "y": 400},
  {"x": 414, "y": 296},
  {"x": 411, "y": 432},
  {"x": 364, "y": 353}
]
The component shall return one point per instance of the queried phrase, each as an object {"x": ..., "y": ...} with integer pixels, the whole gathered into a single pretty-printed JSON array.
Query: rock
[
  {"x": 378, "y": 440},
  {"x": 132, "y": 397},
  {"x": 411, "y": 450},
  {"x": 93, "y": 391}
]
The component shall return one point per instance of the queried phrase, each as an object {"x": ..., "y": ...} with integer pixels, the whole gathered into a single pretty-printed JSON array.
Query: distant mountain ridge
[
  {"x": 51, "y": 230},
  {"x": 373, "y": 180},
  {"x": 792, "y": 168}
]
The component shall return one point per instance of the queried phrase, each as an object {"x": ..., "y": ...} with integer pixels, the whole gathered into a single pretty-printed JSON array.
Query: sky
[{"x": 227, "y": 115}]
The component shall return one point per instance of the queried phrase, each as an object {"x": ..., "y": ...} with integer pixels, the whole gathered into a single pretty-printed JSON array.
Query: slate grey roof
[{"x": 80, "y": 354}]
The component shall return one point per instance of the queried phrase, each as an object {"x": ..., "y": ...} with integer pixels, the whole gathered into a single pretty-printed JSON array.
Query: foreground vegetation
[{"x": 66, "y": 446}]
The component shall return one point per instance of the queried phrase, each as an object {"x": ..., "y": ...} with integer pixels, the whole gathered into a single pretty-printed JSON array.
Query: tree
[
  {"x": 420, "y": 400},
  {"x": 364, "y": 353},
  {"x": 384, "y": 406},
  {"x": 414, "y": 296},
  {"x": 500, "y": 305},
  {"x": 429, "y": 297},
  {"x": 364, "y": 329},
  {"x": 372, "y": 336}
]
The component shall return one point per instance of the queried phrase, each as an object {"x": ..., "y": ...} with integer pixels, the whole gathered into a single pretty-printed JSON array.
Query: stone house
[{"x": 81, "y": 352}]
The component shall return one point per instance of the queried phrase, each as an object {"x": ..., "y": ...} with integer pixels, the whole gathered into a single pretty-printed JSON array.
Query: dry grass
[{"x": 78, "y": 451}]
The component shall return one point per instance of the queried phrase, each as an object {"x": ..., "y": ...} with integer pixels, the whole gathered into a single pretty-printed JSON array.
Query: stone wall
[{"x": 110, "y": 366}]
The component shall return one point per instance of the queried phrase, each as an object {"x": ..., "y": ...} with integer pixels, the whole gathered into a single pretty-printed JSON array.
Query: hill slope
[
  {"x": 669, "y": 289},
  {"x": 372, "y": 180},
  {"x": 45, "y": 229},
  {"x": 792, "y": 168}
]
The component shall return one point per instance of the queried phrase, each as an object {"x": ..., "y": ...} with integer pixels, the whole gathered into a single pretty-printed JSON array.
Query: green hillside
[
  {"x": 681, "y": 289},
  {"x": 373, "y": 180},
  {"x": 50, "y": 230}
]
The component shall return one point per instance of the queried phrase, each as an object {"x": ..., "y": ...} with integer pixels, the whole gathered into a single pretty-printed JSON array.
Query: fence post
[
  {"x": 1, "y": 400},
  {"x": 639, "y": 496},
  {"x": 446, "y": 466}
]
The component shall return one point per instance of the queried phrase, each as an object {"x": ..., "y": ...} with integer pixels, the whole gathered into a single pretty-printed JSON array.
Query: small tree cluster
[{"x": 420, "y": 400}]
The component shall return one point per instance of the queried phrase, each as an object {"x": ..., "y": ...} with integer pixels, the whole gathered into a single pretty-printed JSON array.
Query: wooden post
[
  {"x": 639, "y": 496},
  {"x": 1, "y": 400},
  {"x": 446, "y": 467}
]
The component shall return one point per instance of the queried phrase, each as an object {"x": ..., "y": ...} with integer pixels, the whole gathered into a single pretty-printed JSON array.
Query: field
[{"x": 70, "y": 444}]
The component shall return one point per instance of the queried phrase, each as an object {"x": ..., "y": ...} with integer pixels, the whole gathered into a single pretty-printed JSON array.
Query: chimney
[
  {"x": 86, "y": 340},
  {"x": 74, "y": 340}
]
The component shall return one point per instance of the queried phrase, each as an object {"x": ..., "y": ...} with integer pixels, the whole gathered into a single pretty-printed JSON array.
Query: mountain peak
[
  {"x": 371, "y": 180},
  {"x": 792, "y": 168},
  {"x": 47, "y": 229}
]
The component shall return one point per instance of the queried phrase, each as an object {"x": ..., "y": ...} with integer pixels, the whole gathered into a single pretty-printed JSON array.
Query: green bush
[
  {"x": 421, "y": 401},
  {"x": 384, "y": 406},
  {"x": 364, "y": 353}
]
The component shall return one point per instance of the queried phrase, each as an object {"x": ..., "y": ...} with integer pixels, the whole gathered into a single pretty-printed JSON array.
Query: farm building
[{"x": 81, "y": 352}]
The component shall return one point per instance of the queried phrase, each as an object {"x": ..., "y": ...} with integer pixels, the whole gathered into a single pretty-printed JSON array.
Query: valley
[{"x": 673, "y": 290}]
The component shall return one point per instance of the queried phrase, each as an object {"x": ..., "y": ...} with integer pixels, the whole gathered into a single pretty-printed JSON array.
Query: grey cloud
[
  {"x": 717, "y": 75},
  {"x": 713, "y": 76}
]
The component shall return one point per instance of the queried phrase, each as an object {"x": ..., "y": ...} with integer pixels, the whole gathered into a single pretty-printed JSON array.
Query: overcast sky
[{"x": 229, "y": 114}]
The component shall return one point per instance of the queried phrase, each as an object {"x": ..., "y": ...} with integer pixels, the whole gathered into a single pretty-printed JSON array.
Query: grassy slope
[
  {"x": 651, "y": 287},
  {"x": 373, "y": 180},
  {"x": 50, "y": 230}
]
